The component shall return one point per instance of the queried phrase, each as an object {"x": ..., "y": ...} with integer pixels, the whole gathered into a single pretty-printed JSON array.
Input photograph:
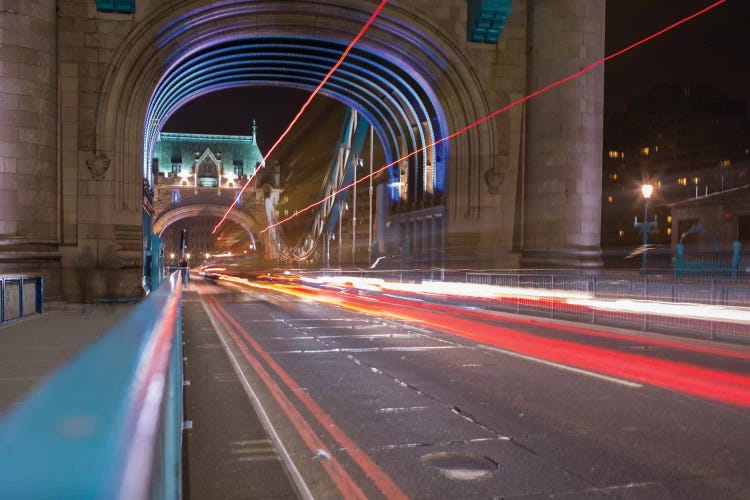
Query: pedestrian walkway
[
  {"x": 33, "y": 348},
  {"x": 227, "y": 452}
]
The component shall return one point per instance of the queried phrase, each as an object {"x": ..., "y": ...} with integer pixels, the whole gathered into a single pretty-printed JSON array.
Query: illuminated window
[
  {"x": 658, "y": 184},
  {"x": 622, "y": 155},
  {"x": 669, "y": 219},
  {"x": 645, "y": 151},
  {"x": 747, "y": 151},
  {"x": 696, "y": 180},
  {"x": 610, "y": 198},
  {"x": 613, "y": 177},
  {"x": 656, "y": 149},
  {"x": 621, "y": 233},
  {"x": 725, "y": 163},
  {"x": 669, "y": 231},
  {"x": 682, "y": 181},
  {"x": 743, "y": 173},
  {"x": 614, "y": 154}
]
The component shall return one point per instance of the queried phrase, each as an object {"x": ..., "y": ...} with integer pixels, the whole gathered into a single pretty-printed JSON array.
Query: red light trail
[
  {"x": 490, "y": 116},
  {"x": 253, "y": 352},
  {"x": 708, "y": 383},
  {"x": 304, "y": 107}
]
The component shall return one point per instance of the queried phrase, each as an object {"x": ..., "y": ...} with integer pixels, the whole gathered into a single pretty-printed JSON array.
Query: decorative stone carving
[{"x": 98, "y": 165}]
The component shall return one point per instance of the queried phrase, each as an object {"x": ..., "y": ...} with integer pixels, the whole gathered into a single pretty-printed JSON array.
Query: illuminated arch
[
  {"x": 245, "y": 221},
  {"x": 404, "y": 76}
]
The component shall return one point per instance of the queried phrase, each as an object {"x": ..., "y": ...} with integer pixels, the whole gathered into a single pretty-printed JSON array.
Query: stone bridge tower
[{"x": 79, "y": 81}]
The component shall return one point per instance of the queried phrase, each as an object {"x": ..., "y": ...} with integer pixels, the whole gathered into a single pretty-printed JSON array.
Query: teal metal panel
[
  {"x": 486, "y": 19},
  {"x": 124, "y": 6}
]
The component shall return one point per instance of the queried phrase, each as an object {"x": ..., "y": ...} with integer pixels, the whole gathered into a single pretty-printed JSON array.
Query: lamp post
[
  {"x": 645, "y": 226},
  {"x": 357, "y": 163},
  {"x": 369, "y": 221},
  {"x": 341, "y": 216}
]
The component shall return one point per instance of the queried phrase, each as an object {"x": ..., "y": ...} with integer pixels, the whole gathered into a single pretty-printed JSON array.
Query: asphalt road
[{"x": 367, "y": 406}]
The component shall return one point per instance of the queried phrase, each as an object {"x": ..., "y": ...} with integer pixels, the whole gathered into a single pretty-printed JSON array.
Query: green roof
[{"x": 177, "y": 148}]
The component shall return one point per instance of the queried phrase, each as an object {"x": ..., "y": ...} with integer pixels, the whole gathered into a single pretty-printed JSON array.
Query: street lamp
[
  {"x": 645, "y": 226},
  {"x": 369, "y": 221},
  {"x": 357, "y": 163}
]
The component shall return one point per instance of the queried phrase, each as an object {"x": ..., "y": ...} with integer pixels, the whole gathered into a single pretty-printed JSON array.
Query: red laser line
[
  {"x": 304, "y": 107},
  {"x": 505, "y": 108}
]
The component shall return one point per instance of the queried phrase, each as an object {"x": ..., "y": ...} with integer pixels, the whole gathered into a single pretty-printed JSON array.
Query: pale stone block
[
  {"x": 8, "y": 227},
  {"x": 8, "y": 133},
  {"x": 68, "y": 69},
  {"x": 69, "y": 188},
  {"x": 87, "y": 209},
  {"x": 105, "y": 210}
]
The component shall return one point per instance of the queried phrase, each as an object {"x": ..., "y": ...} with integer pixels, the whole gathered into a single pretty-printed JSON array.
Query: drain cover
[{"x": 460, "y": 465}]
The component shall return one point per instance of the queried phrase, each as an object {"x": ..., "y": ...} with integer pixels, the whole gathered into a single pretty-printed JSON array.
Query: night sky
[{"x": 710, "y": 50}]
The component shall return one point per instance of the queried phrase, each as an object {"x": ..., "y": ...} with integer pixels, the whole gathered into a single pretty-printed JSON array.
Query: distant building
[
  {"x": 723, "y": 216},
  {"x": 189, "y": 169},
  {"x": 203, "y": 160},
  {"x": 687, "y": 142}
]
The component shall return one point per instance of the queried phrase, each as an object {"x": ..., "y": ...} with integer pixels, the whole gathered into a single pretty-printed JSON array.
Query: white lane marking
[
  {"x": 363, "y": 336},
  {"x": 357, "y": 320},
  {"x": 439, "y": 443},
  {"x": 273, "y": 458},
  {"x": 401, "y": 297},
  {"x": 626, "y": 383},
  {"x": 367, "y": 349},
  {"x": 291, "y": 468},
  {"x": 401, "y": 410},
  {"x": 364, "y": 326}
]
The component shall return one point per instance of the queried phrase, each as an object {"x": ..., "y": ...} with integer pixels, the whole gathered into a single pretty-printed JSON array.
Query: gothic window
[
  {"x": 208, "y": 174},
  {"x": 239, "y": 168}
]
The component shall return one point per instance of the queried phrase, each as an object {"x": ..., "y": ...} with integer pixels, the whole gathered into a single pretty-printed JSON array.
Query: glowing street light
[{"x": 645, "y": 226}]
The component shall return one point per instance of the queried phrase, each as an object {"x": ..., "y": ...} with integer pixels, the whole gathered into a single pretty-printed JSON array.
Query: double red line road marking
[{"x": 256, "y": 356}]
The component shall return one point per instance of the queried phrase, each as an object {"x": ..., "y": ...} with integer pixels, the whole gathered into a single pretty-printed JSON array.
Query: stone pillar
[
  {"x": 562, "y": 192},
  {"x": 28, "y": 140}
]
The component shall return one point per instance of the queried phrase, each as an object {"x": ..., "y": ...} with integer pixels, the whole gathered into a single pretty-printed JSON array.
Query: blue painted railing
[
  {"x": 20, "y": 295},
  {"x": 109, "y": 424}
]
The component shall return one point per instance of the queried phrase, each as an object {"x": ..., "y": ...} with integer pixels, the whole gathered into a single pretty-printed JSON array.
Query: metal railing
[
  {"x": 613, "y": 288},
  {"x": 109, "y": 424},
  {"x": 646, "y": 294},
  {"x": 20, "y": 295}
]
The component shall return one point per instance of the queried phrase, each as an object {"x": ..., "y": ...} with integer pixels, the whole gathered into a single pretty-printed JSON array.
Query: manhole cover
[{"x": 460, "y": 465}]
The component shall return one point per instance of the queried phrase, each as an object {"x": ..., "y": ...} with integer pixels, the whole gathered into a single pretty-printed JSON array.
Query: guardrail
[
  {"x": 598, "y": 298},
  {"x": 20, "y": 295},
  {"x": 109, "y": 424},
  {"x": 638, "y": 291}
]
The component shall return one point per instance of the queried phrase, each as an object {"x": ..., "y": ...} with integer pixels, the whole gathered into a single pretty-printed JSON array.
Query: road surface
[{"x": 428, "y": 401}]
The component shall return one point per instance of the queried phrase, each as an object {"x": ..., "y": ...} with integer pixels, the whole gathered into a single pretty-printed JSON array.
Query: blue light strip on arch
[
  {"x": 223, "y": 62},
  {"x": 395, "y": 101}
]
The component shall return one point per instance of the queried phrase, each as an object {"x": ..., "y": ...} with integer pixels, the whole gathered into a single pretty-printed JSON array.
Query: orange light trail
[
  {"x": 303, "y": 108},
  {"x": 347, "y": 486},
  {"x": 504, "y": 109},
  {"x": 707, "y": 383}
]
